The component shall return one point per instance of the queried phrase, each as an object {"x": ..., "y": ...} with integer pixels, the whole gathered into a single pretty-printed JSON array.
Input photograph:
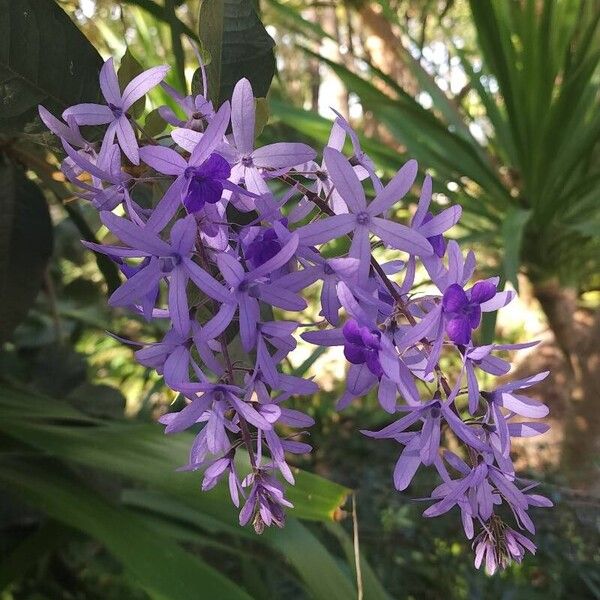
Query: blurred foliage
[
  {"x": 92, "y": 507},
  {"x": 499, "y": 100}
]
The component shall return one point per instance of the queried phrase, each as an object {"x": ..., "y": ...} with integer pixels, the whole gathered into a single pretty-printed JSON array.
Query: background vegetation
[{"x": 498, "y": 100}]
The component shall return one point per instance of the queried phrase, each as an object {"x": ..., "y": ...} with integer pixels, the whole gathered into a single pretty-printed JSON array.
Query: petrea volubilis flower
[
  {"x": 219, "y": 283},
  {"x": 114, "y": 112}
]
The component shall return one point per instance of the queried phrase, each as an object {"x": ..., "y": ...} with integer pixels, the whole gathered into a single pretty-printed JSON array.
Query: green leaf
[
  {"x": 239, "y": 45},
  {"x": 176, "y": 46},
  {"x": 158, "y": 12},
  {"x": 154, "y": 123},
  {"x": 371, "y": 585},
  {"x": 154, "y": 561},
  {"x": 25, "y": 245},
  {"x": 128, "y": 69},
  {"x": 262, "y": 115},
  {"x": 143, "y": 453},
  {"x": 512, "y": 234},
  {"x": 296, "y": 22},
  {"x": 44, "y": 59},
  {"x": 317, "y": 567}
]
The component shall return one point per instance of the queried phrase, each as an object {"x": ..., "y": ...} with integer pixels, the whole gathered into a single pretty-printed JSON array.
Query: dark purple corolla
[
  {"x": 362, "y": 346},
  {"x": 462, "y": 309}
]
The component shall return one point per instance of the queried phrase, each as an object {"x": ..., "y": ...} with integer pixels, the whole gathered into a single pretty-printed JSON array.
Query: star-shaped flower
[{"x": 114, "y": 112}]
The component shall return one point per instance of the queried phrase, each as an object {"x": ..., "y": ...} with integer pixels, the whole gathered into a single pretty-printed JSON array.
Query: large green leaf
[
  {"x": 313, "y": 562},
  {"x": 323, "y": 575},
  {"x": 155, "y": 562},
  {"x": 143, "y": 453},
  {"x": 25, "y": 244},
  {"x": 513, "y": 230},
  {"x": 239, "y": 47},
  {"x": 373, "y": 590},
  {"x": 44, "y": 59}
]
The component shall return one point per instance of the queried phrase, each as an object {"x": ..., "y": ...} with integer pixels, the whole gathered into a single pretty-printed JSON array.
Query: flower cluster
[{"x": 215, "y": 278}]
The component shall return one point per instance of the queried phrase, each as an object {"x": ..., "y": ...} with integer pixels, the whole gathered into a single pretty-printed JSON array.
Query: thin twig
[{"x": 357, "y": 567}]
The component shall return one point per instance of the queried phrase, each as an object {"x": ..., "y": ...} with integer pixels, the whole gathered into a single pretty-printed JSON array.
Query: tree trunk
[
  {"x": 560, "y": 305},
  {"x": 577, "y": 334}
]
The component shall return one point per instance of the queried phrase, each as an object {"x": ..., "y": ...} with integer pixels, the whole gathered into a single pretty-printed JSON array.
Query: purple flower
[
  {"x": 394, "y": 336},
  {"x": 200, "y": 179},
  {"x": 205, "y": 182},
  {"x": 115, "y": 111},
  {"x": 250, "y": 287},
  {"x": 482, "y": 358},
  {"x": 362, "y": 346},
  {"x": 69, "y": 132},
  {"x": 362, "y": 219},
  {"x": 172, "y": 261},
  {"x": 106, "y": 169},
  {"x": 505, "y": 396},
  {"x": 423, "y": 446},
  {"x": 462, "y": 310},
  {"x": 218, "y": 469},
  {"x": 247, "y": 162},
  {"x": 261, "y": 244},
  {"x": 197, "y": 109},
  {"x": 331, "y": 272},
  {"x": 433, "y": 227},
  {"x": 498, "y": 545},
  {"x": 265, "y": 503}
]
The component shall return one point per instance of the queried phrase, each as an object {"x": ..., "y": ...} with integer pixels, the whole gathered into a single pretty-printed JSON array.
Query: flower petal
[
  {"x": 524, "y": 406},
  {"x": 89, "y": 114},
  {"x": 424, "y": 201},
  {"x": 401, "y": 237},
  {"x": 360, "y": 250},
  {"x": 205, "y": 282},
  {"x": 178, "y": 305},
  {"x": 166, "y": 207},
  {"x": 277, "y": 261},
  {"x": 324, "y": 230},
  {"x": 407, "y": 465},
  {"x": 345, "y": 180},
  {"x": 387, "y": 394},
  {"x": 185, "y": 138},
  {"x": 164, "y": 160},
  {"x": 212, "y": 136},
  {"x": 455, "y": 298},
  {"x": 281, "y": 298},
  {"x": 282, "y": 155},
  {"x": 135, "y": 236},
  {"x": 141, "y": 84},
  {"x": 109, "y": 84},
  {"x": 57, "y": 127},
  {"x": 441, "y": 223},
  {"x": 459, "y": 329},
  {"x": 395, "y": 190},
  {"x": 243, "y": 116},
  {"x": 230, "y": 268},
  {"x": 137, "y": 286},
  {"x": 127, "y": 140},
  {"x": 483, "y": 291},
  {"x": 500, "y": 300}
]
